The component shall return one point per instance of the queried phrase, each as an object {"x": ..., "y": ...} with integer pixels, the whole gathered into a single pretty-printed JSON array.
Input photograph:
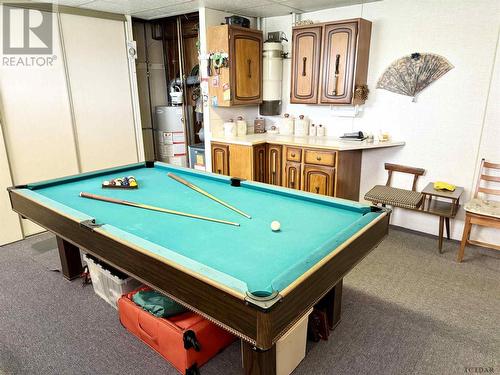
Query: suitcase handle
[{"x": 143, "y": 331}]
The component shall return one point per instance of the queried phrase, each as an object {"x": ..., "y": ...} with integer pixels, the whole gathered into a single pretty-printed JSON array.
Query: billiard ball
[
  {"x": 106, "y": 183},
  {"x": 275, "y": 226}
]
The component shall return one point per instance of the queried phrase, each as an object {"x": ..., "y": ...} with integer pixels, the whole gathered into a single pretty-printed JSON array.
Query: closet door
[
  {"x": 98, "y": 72},
  {"x": 36, "y": 120},
  {"x": 10, "y": 227}
]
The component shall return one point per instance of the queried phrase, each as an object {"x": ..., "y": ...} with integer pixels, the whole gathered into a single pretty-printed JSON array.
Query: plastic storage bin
[
  {"x": 291, "y": 347},
  {"x": 109, "y": 284}
]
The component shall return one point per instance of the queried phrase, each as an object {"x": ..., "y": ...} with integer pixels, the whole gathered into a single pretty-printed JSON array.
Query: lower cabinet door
[
  {"x": 259, "y": 163},
  {"x": 220, "y": 158},
  {"x": 292, "y": 175},
  {"x": 319, "y": 180},
  {"x": 274, "y": 164}
]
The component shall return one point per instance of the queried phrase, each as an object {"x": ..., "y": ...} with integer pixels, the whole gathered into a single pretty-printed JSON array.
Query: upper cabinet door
[
  {"x": 339, "y": 60},
  {"x": 305, "y": 64},
  {"x": 247, "y": 66}
]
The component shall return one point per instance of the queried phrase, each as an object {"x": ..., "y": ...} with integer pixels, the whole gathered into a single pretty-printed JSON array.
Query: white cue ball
[{"x": 275, "y": 226}]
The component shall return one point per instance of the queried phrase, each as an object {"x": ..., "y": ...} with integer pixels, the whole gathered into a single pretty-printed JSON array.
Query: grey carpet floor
[{"x": 406, "y": 310}]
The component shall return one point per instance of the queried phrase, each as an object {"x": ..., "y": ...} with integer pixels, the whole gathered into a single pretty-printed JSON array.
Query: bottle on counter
[
  {"x": 312, "y": 129},
  {"x": 301, "y": 126},
  {"x": 286, "y": 126},
  {"x": 241, "y": 127},
  {"x": 229, "y": 128},
  {"x": 320, "y": 130},
  {"x": 259, "y": 125}
]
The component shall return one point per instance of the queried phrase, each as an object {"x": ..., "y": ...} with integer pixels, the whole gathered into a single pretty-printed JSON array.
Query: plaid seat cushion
[
  {"x": 394, "y": 196},
  {"x": 483, "y": 207}
]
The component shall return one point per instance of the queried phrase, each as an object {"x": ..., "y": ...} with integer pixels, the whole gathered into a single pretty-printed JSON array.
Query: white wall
[{"x": 443, "y": 129}]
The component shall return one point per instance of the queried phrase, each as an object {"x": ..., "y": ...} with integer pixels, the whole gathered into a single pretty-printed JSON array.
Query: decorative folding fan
[{"x": 411, "y": 74}]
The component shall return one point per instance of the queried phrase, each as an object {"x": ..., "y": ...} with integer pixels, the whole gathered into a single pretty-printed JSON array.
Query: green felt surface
[{"x": 252, "y": 253}]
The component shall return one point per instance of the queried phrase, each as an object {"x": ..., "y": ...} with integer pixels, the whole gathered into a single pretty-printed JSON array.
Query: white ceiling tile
[
  {"x": 71, "y": 3},
  {"x": 232, "y": 5},
  {"x": 131, "y": 7},
  {"x": 266, "y": 10},
  {"x": 179, "y": 8},
  {"x": 312, "y": 5}
]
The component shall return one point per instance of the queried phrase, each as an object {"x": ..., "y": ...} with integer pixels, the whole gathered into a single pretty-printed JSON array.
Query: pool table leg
[
  {"x": 332, "y": 304},
  {"x": 256, "y": 361},
  {"x": 71, "y": 263}
]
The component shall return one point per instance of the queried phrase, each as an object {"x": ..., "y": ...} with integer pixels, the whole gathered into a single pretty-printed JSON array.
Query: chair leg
[
  {"x": 447, "y": 222},
  {"x": 465, "y": 237},
  {"x": 440, "y": 246}
]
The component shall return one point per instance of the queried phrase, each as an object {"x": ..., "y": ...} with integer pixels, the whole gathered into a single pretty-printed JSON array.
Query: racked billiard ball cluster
[{"x": 121, "y": 183}]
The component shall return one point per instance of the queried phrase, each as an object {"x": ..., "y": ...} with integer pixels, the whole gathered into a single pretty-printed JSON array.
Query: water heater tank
[{"x": 272, "y": 77}]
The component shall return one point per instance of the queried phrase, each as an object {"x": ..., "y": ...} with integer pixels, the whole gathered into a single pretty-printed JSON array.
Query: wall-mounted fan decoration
[{"x": 411, "y": 74}]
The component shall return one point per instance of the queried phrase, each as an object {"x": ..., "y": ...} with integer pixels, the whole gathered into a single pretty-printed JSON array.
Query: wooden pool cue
[
  {"x": 153, "y": 208},
  {"x": 206, "y": 194}
]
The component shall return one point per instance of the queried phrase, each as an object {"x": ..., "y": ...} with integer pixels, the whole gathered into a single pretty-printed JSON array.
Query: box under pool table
[{"x": 252, "y": 281}]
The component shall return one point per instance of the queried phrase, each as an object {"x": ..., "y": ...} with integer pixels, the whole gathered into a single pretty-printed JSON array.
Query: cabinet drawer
[
  {"x": 320, "y": 157},
  {"x": 293, "y": 154}
]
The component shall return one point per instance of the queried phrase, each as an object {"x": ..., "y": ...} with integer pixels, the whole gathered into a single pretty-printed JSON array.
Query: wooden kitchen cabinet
[
  {"x": 259, "y": 162},
  {"x": 321, "y": 171},
  {"x": 292, "y": 175},
  {"x": 319, "y": 180},
  {"x": 239, "y": 83},
  {"x": 274, "y": 164},
  {"x": 343, "y": 55},
  {"x": 306, "y": 56},
  {"x": 220, "y": 158}
]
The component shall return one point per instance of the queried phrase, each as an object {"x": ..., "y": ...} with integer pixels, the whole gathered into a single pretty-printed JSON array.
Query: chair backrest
[
  {"x": 482, "y": 176},
  {"x": 416, "y": 172}
]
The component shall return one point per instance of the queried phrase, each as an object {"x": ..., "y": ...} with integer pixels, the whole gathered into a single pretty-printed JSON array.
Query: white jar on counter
[
  {"x": 320, "y": 130},
  {"x": 312, "y": 129},
  {"x": 241, "y": 127},
  {"x": 286, "y": 126},
  {"x": 217, "y": 129},
  {"x": 229, "y": 129},
  {"x": 301, "y": 126}
]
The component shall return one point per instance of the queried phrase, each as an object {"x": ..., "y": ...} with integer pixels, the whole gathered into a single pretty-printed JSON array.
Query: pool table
[{"x": 250, "y": 280}]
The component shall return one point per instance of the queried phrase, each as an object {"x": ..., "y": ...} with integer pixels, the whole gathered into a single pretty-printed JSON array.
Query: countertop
[{"x": 332, "y": 143}]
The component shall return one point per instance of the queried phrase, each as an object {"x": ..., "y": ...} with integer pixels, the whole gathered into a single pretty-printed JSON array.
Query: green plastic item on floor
[{"x": 157, "y": 304}]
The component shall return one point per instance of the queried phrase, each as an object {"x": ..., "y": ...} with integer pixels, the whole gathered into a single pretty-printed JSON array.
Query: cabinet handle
[
  {"x": 292, "y": 178},
  {"x": 249, "y": 68},
  {"x": 317, "y": 189},
  {"x": 304, "y": 59},
  {"x": 219, "y": 171},
  {"x": 318, "y": 158},
  {"x": 293, "y": 155}
]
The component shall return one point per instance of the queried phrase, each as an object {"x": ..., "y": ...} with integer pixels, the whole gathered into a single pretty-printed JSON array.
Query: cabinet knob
[
  {"x": 318, "y": 158},
  {"x": 293, "y": 155}
]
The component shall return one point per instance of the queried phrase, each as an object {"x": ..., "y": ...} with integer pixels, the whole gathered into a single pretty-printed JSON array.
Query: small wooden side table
[{"x": 442, "y": 203}]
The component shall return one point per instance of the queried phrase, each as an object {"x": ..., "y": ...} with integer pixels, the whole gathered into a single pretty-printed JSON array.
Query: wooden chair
[
  {"x": 386, "y": 194},
  {"x": 480, "y": 211}
]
